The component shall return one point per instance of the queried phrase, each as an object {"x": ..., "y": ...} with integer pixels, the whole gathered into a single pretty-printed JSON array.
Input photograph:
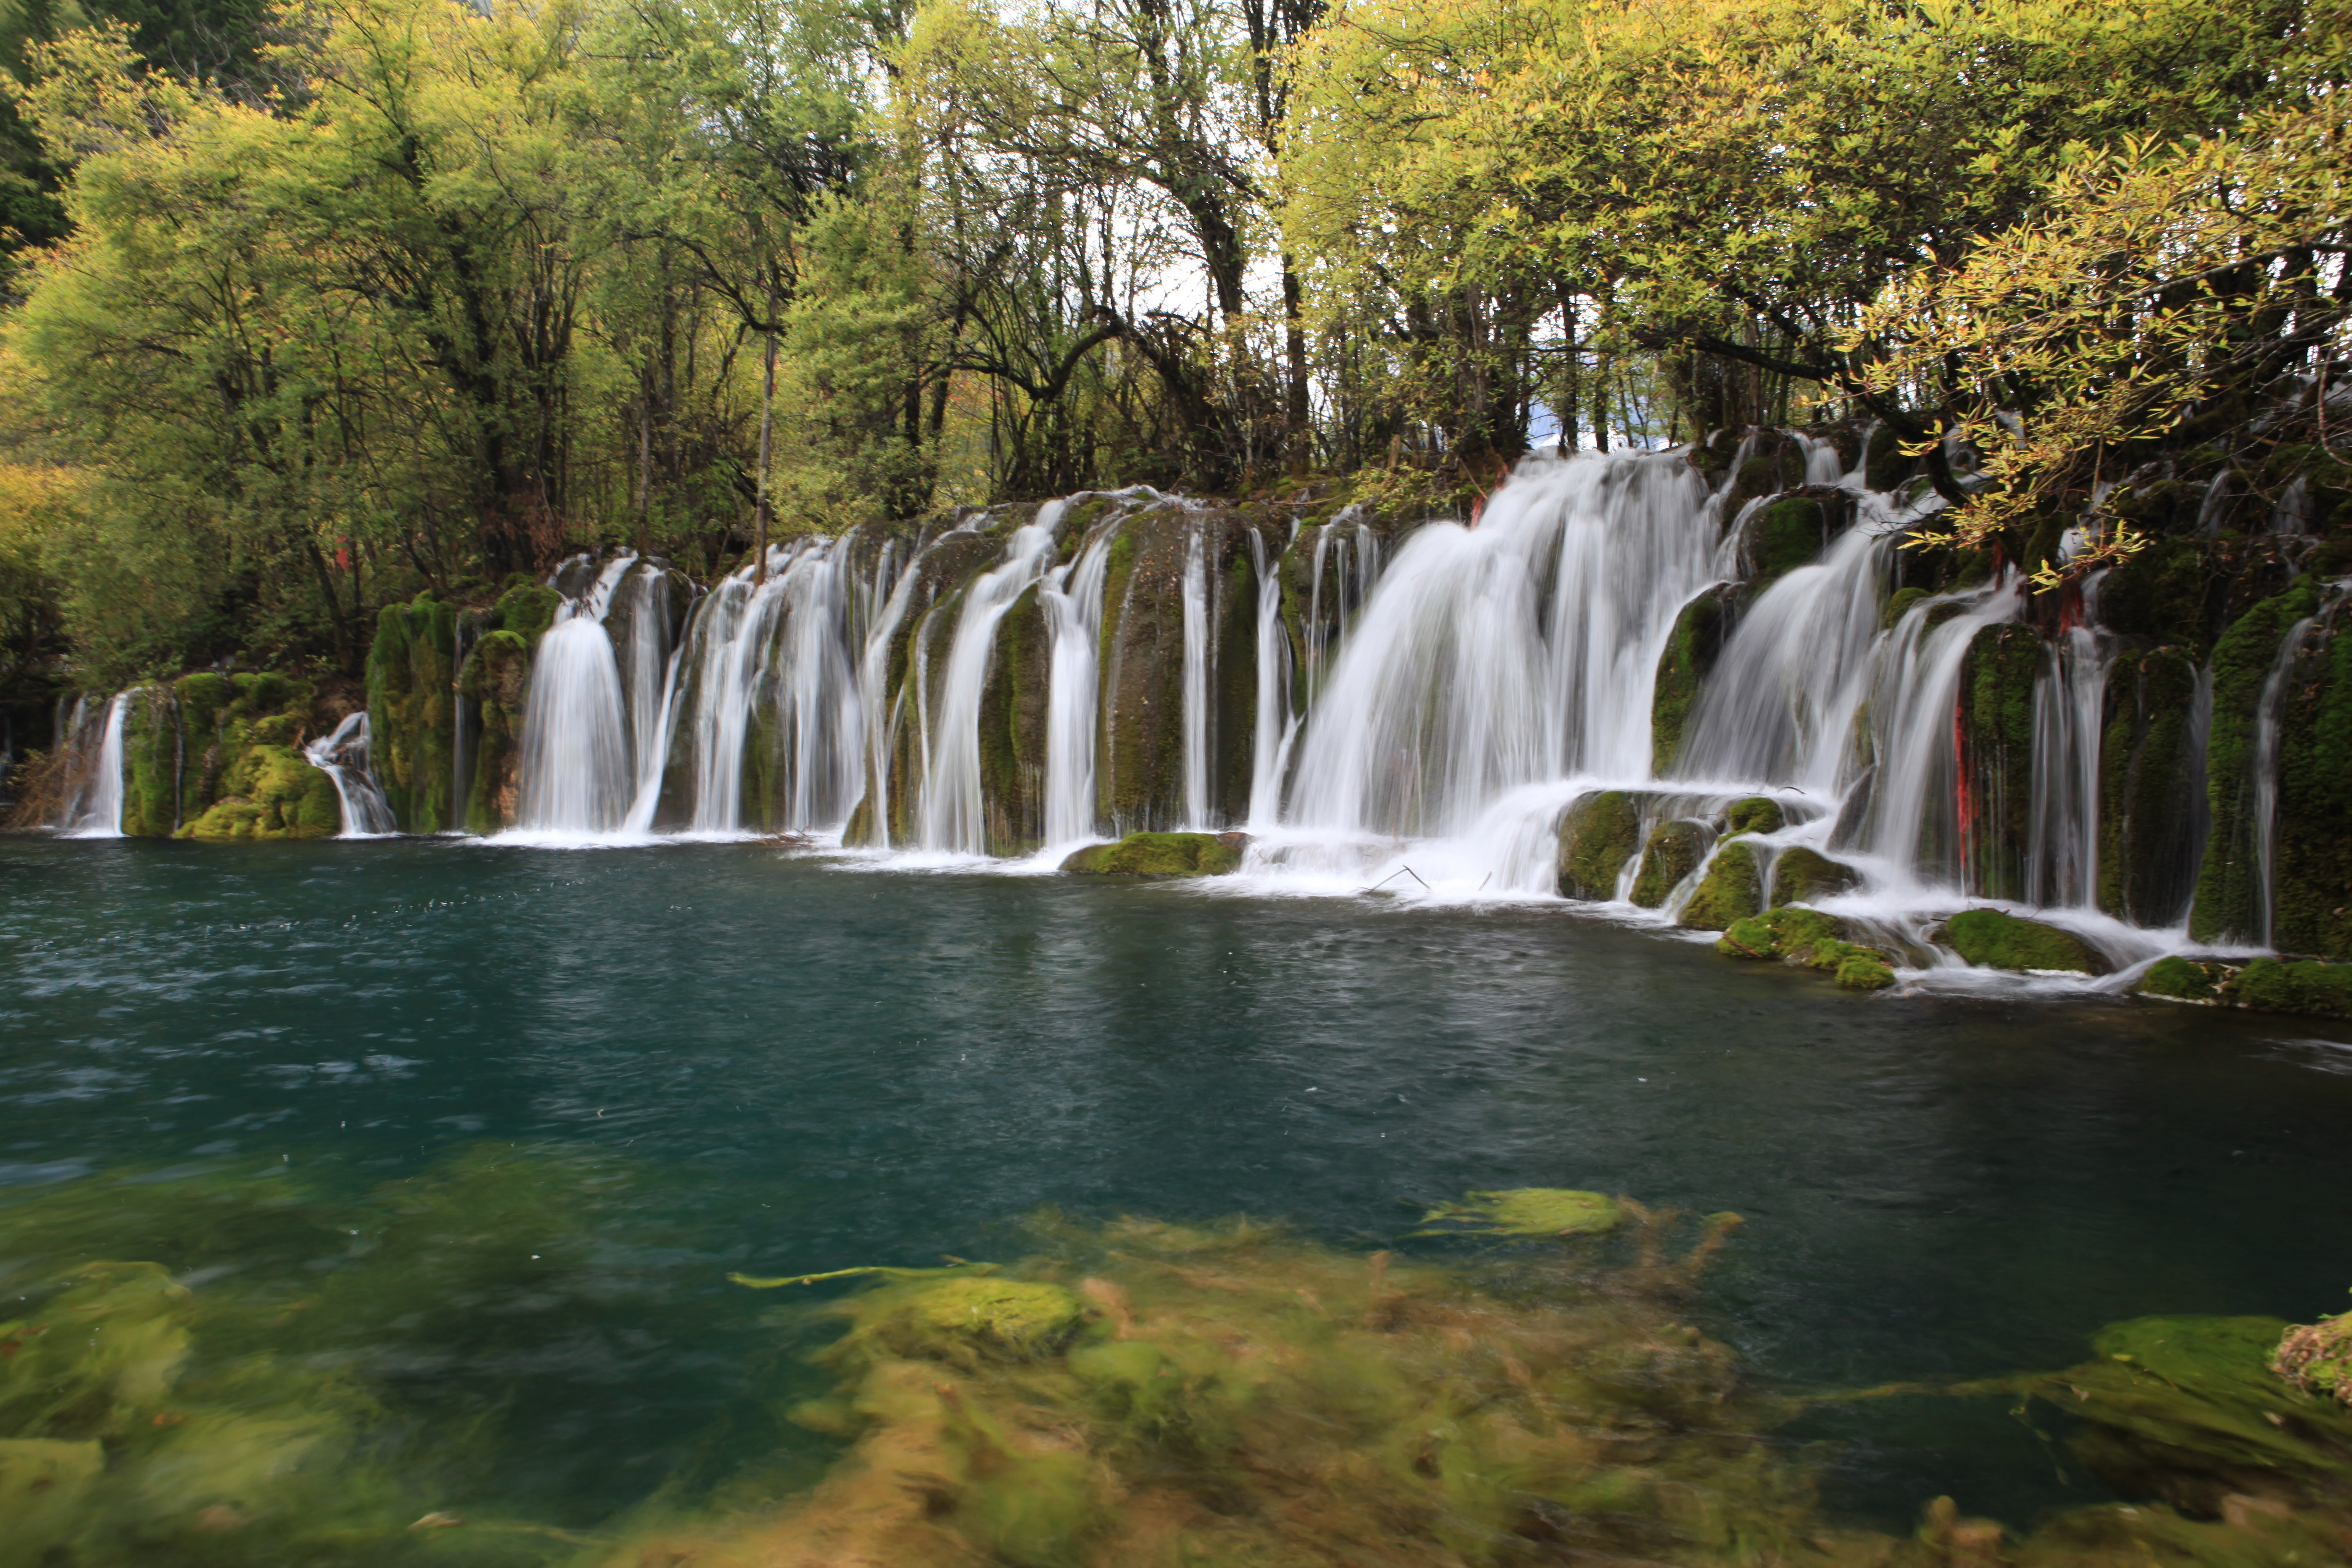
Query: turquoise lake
[{"x": 704, "y": 1059}]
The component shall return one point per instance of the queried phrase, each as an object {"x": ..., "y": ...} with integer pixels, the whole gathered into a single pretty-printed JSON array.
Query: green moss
[
  {"x": 1801, "y": 875},
  {"x": 2311, "y": 862},
  {"x": 1159, "y": 855},
  {"x": 151, "y": 763},
  {"x": 527, "y": 609},
  {"x": 2318, "y": 990},
  {"x": 1597, "y": 836},
  {"x": 1898, "y": 605},
  {"x": 1993, "y": 940},
  {"x": 2149, "y": 799},
  {"x": 2229, "y": 899},
  {"x": 1757, "y": 814},
  {"x": 270, "y": 791},
  {"x": 1808, "y": 939},
  {"x": 2163, "y": 593},
  {"x": 1527, "y": 1212},
  {"x": 411, "y": 708},
  {"x": 2316, "y": 1358},
  {"x": 1793, "y": 530},
  {"x": 1013, "y": 730},
  {"x": 1996, "y": 770},
  {"x": 1732, "y": 890},
  {"x": 2183, "y": 980},
  {"x": 497, "y": 679},
  {"x": 958, "y": 1318},
  {"x": 1674, "y": 851},
  {"x": 1692, "y": 648}
]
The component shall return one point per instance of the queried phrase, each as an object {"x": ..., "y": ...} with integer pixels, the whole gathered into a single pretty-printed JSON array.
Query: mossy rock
[
  {"x": 2184, "y": 980},
  {"x": 527, "y": 609},
  {"x": 1597, "y": 836},
  {"x": 1700, "y": 633},
  {"x": 1993, "y": 940},
  {"x": 1995, "y": 731},
  {"x": 1160, "y": 855},
  {"x": 2316, "y": 1358},
  {"x": 1812, "y": 939},
  {"x": 1675, "y": 850},
  {"x": 2229, "y": 898},
  {"x": 1757, "y": 814},
  {"x": 271, "y": 792},
  {"x": 1803, "y": 874},
  {"x": 1732, "y": 890},
  {"x": 1527, "y": 1212},
  {"x": 2316, "y": 990},
  {"x": 1793, "y": 532},
  {"x": 1898, "y": 605},
  {"x": 2149, "y": 787}
]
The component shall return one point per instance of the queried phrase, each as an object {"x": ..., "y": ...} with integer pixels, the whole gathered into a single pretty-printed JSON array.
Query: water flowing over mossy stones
[
  {"x": 1673, "y": 853},
  {"x": 1803, "y": 874},
  {"x": 1597, "y": 836},
  {"x": 1993, "y": 940},
  {"x": 1527, "y": 1212},
  {"x": 1793, "y": 532},
  {"x": 1732, "y": 889},
  {"x": 1757, "y": 814},
  {"x": 1692, "y": 648},
  {"x": 1162, "y": 855}
]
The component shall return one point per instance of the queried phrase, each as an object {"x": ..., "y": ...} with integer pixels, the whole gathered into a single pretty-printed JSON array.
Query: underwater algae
[{"x": 1131, "y": 1392}]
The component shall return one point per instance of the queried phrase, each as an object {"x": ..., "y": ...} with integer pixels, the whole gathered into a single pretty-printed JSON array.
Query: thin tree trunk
[
  {"x": 644, "y": 465},
  {"x": 767, "y": 420}
]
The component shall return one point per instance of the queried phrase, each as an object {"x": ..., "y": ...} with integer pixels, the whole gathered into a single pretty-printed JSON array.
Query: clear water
[{"x": 786, "y": 1063}]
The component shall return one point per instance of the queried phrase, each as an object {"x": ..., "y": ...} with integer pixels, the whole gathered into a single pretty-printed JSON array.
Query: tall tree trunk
[{"x": 767, "y": 421}]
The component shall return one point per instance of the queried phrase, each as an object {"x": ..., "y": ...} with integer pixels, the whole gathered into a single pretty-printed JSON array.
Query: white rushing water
[
  {"x": 1073, "y": 600},
  {"x": 344, "y": 757},
  {"x": 93, "y": 807}
]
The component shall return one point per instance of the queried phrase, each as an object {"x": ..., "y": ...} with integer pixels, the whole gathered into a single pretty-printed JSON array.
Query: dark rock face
[
  {"x": 2152, "y": 809},
  {"x": 2230, "y": 899},
  {"x": 1994, "y": 799}
]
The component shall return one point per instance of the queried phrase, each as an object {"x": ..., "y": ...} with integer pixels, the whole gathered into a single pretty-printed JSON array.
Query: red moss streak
[
  {"x": 1963, "y": 796},
  {"x": 2070, "y": 607}
]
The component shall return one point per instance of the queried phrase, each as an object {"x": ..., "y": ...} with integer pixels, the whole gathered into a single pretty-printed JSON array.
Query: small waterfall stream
[
  {"x": 1072, "y": 599},
  {"x": 342, "y": 756},
  {"x": 93, "y": 806}
]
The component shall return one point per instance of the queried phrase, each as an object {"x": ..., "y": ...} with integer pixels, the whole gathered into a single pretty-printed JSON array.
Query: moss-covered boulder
[
  {"x": 412, "y": 709},
  {"x": 2178, "y": 979},
  {"x": 2273, "y": 986},
  {"x": 2230, "y": 899},
  {"x": 1675, "y": 850},
  {"x": 1757, "y": 814},
  {"x": 270, "y": 791},
  {"x": 1995, "y": 727},
  {"x": 1698, "y": 640},
  {"x": 1812, "y": 939},
  {"x": 1597, "y": 836},
  {"x": 2149, "y": 797},
  {"x": 497, "y": 682},
  {"x": 2316, "y": 1358},
  {"x": 1803, "y": 874},
  {"x": 2311, "y": 859},
  {"x": 1732, "y": 890},
  {"x": 1160, "y": 855},
  {"x": 1792, "y": 531},
  {"x": 1993, "y": 940}
]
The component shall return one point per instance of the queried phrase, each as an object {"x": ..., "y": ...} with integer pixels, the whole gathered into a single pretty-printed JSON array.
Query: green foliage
[
  {"x": 1159, "y": 855},
  {"x": 1994, "y": 939}
]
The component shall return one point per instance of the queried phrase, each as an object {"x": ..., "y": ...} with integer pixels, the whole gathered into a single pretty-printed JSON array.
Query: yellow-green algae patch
[{"x": 1529, "y": 1211}]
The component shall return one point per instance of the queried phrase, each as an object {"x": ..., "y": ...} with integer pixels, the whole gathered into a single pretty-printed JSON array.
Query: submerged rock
[
  {"x": 1597, "y": 836},
  {"x": 1162, "y": 855},
  {"x": 1803, "y": 874},
  {"x": 1528, "y": 1211},
  {"x": 1993, "y": 940},
  {"x": 1732, "y": 889},
  {"x": 1673, "y": 852}
]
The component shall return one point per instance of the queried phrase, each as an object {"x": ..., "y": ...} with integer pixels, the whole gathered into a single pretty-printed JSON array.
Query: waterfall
[
  {"x": 1276, "y": 727},
  {"x": 2069, "y": 705},
  {"x": 1519, "y": 651},
  {"x": 344, "y": 758},
  {"x": 1073, "y": 598},
  {"x": 575, "y": 750},
  {"x": 950, "y": 812},
  {"x": 94, "y": 807},
  {"x": 873, "y": 681},
  {"x": 1197, "y": 658},
  {"x": 2267, "y": 711}
]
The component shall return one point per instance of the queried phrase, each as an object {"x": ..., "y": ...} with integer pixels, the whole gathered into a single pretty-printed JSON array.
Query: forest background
[{"x": 311, "y": 306}]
